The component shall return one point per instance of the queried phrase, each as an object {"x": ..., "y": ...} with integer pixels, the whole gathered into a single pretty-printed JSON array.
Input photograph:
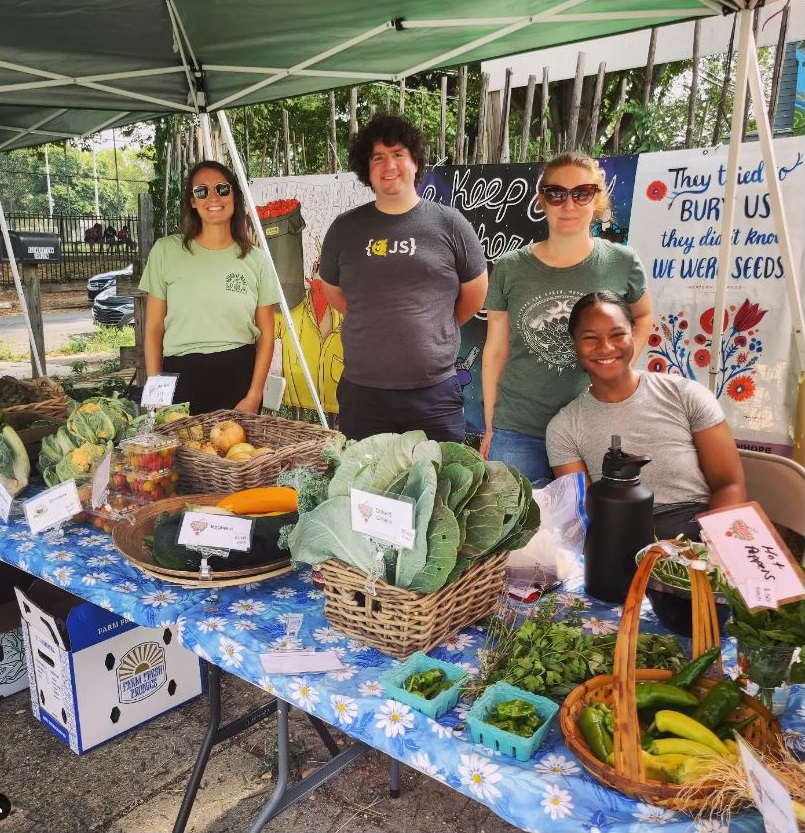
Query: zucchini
[{"x": 264, "y": 550}]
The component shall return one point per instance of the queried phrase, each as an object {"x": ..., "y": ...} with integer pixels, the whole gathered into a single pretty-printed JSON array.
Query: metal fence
[{"x": 89, "y": 244}]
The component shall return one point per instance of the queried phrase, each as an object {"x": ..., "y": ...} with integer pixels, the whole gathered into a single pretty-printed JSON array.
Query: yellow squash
[{"x": 263, "y": 500}]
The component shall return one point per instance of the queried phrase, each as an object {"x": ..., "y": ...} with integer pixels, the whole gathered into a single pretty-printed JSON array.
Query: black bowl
[{"x": 674, "y": 608}]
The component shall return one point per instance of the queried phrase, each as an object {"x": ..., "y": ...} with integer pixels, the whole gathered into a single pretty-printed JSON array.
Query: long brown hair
[
  {"x": 190, "y": 224},
  {"x": 603, "y": 205}
]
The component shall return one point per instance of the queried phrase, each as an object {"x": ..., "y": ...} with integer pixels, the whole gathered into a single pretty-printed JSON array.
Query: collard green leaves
[{"x": 465, "y": 509}]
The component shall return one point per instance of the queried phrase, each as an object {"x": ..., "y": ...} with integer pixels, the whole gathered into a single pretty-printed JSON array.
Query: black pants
[
  {"x": 437, "y": 410},
  {"x": 209, "y": 381}
]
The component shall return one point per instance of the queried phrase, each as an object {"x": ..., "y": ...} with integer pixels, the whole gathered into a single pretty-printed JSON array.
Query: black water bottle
[{"x": 620, "y": 510}]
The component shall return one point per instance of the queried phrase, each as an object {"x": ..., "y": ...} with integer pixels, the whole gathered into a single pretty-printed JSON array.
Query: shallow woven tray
[
  {"x": 617, "y": 690},
  {"x": 398, "y": 622},
  {"x": 47, "y": 398},
  {"x": 128, "y": 538},
  {"x": 294, "y": 443}
]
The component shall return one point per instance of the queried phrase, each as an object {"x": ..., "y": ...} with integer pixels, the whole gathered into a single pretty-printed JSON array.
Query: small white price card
[
  {"x": 5, "y": 502},
  {"x": 53, "y": 506},
  {"x": 300, "y": 662},
  {"x": 769, "y": 794},
  {"x": 383, "y": 518},
  {"x": 100, "y": 482},
  {"x": 158, "y": 390},
  {"x": 746, "y": 546},
  {"x": 221, "y": 532}
]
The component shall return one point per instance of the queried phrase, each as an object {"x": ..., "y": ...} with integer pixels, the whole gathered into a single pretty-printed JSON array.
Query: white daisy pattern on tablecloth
[
  {"x": 231, "y": 652},
  {"x": 25, "y": 546},
  {"x": 245, "y": 625},
  {"x": 394, "y": 718},
  {"x": 422, "y": 762},
  {"x": 653, "y": 815},
  {"x": 125, "y": 587},
  {"x": 94, "y": 578},
  {"x": 61, "y": 555},
  {"x": 371, "y": 688},
  {"x": 102, "y": 560},
  {"x": 284, "y": 593},
  {"x": 556, "y": 802},
  {"x": 159, "y": 598},
  {"x": 556, "y": 765},
  {"x": 303, "y": 693},
  {"x": 287, "y": 643},
  {"x": 212, "y": 623},
  {"x": 314, "y": 595},
  {"x": 458, "y": 642},
  {"x": 345, "y": 673},
  {"x": 480, "y": 775},
  {"x": 63, "y": 575},
  {"x": 266, "y": 684},
  {"x": 327, "y": 636},
  {"x": 247, "y": 607},
  {"x": 598, "y": 626},
  {"x": 345, "y": 708},
  {"x": 711, "y": 826},
  {"x": 440, "y": 730}
]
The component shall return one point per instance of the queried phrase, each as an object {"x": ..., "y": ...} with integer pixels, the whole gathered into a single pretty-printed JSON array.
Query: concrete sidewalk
[{"x": 135, "y": 784}]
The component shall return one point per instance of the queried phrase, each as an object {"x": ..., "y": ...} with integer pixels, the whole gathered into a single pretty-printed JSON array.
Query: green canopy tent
[{"x": 69, "y": 68}]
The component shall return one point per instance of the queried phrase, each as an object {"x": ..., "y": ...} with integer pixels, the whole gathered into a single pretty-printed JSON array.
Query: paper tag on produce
[
  {"x": 5, "y": 502},
  {"x": 770, "y": 795},
  {"x": 298, "y": 662},
  {"x": 223, "y": 532},
  {"x": 745, "y": 544},
  {"x": 386, "y": 519},
  {"x": 100, "y": 482},
  {"x": 53, "y": 506},
  {"x": 158, "y": 390}
]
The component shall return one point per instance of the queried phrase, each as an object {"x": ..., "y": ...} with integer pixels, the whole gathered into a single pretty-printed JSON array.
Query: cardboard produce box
[{"x": 95, "y": 675}]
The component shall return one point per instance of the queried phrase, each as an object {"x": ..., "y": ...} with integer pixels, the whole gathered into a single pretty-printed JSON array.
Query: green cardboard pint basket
[
  {"x": 393, "y": 682},
  {"x": 500, "y": 740}
]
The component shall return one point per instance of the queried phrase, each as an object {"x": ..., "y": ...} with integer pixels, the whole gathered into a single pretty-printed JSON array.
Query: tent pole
[
  {"x": 206, "y": 135},
  {"x": 223, "y": 122},
  {"x": 790, "y": 276},
  {"x": 18, "y": 284},
  {"x": 730, "y": 193}
]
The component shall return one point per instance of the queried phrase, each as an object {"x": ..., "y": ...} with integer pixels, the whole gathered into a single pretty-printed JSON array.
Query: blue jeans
[{"x": 528, "y": 454}]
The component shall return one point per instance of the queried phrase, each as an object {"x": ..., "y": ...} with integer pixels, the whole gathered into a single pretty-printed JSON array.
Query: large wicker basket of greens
[{"x": 467, "y": 512}]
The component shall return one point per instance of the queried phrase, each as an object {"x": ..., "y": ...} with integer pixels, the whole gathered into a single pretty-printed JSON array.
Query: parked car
[
  {"x": 101, "y": 281},
  {"x": 111, "y": 309}
]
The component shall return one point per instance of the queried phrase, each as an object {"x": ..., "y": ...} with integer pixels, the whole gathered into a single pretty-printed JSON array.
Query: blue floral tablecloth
[{"x": 231, "y": 627}]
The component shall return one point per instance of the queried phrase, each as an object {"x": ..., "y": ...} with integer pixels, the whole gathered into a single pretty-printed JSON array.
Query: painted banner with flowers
[{"x": 677, "y": 209}]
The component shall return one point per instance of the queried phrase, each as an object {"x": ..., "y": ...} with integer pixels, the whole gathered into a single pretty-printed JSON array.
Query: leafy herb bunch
[{"x": 551, "y": 658}]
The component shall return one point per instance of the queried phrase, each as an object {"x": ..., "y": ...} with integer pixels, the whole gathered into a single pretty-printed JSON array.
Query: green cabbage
[{"x": 15, "y": 466}]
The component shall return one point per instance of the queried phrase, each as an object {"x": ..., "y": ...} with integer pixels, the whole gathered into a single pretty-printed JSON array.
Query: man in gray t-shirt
[{"x": 406, "y": 273}]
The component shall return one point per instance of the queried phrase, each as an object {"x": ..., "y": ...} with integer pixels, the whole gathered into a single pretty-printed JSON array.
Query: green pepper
[
  {"x": 516, "y": 716},
  {"x": 724, "y": 730},
  {"x": 419, "y": 682},
  {"x": 722, "y": 699},
  {"x": 655, "y": 695},
  {"x": 591, "y": 723},
  {"x": 515, "y": 708},
  {"x": 687, "y": 676}
]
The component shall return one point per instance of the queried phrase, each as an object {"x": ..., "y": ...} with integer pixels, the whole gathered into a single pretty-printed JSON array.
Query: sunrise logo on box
[{"x": 142, "y": 671}]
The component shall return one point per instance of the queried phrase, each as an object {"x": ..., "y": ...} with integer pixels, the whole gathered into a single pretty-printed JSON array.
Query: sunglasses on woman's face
[
  {"x": 201, "y": 192},
  {"x": 556, "y": 195}
]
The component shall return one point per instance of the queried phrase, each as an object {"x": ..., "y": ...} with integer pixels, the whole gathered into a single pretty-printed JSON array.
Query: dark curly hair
[
  {"x": 389, "y": 130},
  {"x": 190, "y": 224},
  {"x": 597, "y": 299}
]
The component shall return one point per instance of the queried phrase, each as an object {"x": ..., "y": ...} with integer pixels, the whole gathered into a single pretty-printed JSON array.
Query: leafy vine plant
[{"x": 674, "y": 348}]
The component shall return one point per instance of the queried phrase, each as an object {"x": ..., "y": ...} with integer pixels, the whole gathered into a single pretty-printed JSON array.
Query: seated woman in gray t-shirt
[{"x": 676, "y": 421}]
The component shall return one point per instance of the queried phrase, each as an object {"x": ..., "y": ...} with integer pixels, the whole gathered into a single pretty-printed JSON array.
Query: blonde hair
[{"x": 603, "y": 205}]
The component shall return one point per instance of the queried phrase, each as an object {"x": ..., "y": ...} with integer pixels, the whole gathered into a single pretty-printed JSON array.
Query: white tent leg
[
  {"x": 206, "y": 135},
  {"x": 792, "y": 279},
  {"x": 730, "y": 193},
  {"x": 223, "y": 122},
  {"x": 18, "y": 283}
]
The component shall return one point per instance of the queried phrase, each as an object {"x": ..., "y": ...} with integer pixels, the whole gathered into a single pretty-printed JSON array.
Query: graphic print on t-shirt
[
  {"x": 236, "y": 282},
  {"x": 542, "y": 323},
  {"x": 382, "y": 248}
]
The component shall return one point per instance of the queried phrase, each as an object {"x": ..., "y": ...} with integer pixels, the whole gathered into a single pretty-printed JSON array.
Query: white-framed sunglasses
[{"x": 201, "y": 192}]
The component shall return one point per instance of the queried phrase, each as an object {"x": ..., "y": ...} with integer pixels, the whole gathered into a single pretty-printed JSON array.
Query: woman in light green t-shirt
[{"x": 209, "y": 314}]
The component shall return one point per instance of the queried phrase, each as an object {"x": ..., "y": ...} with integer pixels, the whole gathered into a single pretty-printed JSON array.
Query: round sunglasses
[
  {"x": 201, "y": 192},
  {"x": 557, "y": 195}
]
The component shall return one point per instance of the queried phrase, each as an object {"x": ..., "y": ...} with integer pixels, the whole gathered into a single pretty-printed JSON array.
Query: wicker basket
[
  {"x": 618, "y": 691},
  {"x": 294, "y": 444},
  {"x": 46, "y": 397},
  {"x": 398, "y": 622}
]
